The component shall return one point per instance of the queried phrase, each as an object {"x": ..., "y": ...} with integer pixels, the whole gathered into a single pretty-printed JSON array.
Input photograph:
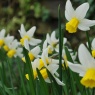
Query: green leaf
[
  {"x": 29, "y": 72},
  {"x": 43, "y": 85}
]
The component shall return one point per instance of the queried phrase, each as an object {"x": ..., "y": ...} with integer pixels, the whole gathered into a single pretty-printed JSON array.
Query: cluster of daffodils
[
  {"x": 47, "y": 57},
  {"x": 10, "y": 45},
  {"x": 42, "y": 59}
]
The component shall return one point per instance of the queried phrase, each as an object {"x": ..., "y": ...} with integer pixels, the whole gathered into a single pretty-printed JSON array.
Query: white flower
[
  {"x": 7, "y": 41},
  {"x": 87, "y": 67},
  {"x": 77, "y": 18},
  {"x": 52, "y": 66},
  {"x": 52, "y": 41},
  {"x": 14, "y": 49},
  {"x": 28, "y": 36},
  {"x": 49, "y": 47},
  {"x": 33, "y": 53}
]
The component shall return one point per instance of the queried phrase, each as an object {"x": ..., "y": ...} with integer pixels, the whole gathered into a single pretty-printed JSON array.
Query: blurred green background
[{"x": 41, "y": 13}]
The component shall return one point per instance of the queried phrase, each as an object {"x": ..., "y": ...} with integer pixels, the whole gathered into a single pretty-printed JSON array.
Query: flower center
[
  {"x": 23, "y": 39},
  {"x": 93, "y": 53},
  {"x": 31, "y": 56},
  {"x": 89, "y": 78},
  {"x": 6, "y": 48},
  {"x": 1, "y": 42},
  {"x": 72, "y": 25},
  {"x": 11, "y": 53},
  {"x": 41, "y": 64},
  {"x": 23, "y": 59},
  {"x": 44, "y": 73},
  {"x": 35, "y": 75},
  {"x": 50, "y": 49}
]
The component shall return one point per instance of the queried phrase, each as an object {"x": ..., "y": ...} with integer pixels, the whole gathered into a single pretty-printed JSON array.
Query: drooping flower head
[
  {"x": 87, "y": 67},
  {"x": 77, "y": 18}
]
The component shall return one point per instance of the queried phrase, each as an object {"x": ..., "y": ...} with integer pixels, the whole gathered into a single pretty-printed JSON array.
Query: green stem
[
  {"x": 93, "y": 91},
  {"x": 60, "y": 47},
  {"x": 9, "y": 67}
]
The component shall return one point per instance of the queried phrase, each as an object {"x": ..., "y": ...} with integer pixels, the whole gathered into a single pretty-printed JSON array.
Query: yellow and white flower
[
  {"x": 77, "y": 18},
  {"x": 87, "y": 67},
  {"x": 28, "y": 36},
  {"x": 52, "y": 41},
  {"x": 52, "y": 66},
  {"x": 7, "y": 41},
  {"x": 33, "y": 53},
  {"x": 14, "y": 49}
]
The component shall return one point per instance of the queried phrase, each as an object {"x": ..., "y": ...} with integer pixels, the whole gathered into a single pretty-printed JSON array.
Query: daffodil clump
[{"x": 53, "y": 59}]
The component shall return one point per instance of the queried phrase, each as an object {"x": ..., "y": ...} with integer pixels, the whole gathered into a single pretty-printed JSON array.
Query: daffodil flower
[
  {"x": 7, "y": 41},
  {"x": 52, "y": 67},
  {"x": 49, "y": 47},
  {"x": 52, "y": 41},
  {"x": 33, "y": 53},
  {"x": 77, "y": 18},
  {"x": 14, "y": 49},
  {"x": 43, "y": 64},
  {"x": 28, "y": 36},
  {"x": 87, "y": 67}
]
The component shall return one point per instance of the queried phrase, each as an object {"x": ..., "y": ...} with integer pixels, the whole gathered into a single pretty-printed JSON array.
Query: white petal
[
  {"x": 45, "y": 44},
  {"x": 54, "y": 61},
  {"x": 81, "y": 11},
  {"x": 47, "y": 80},
  {"x": 22, "y": 31},
  {"x": 26, "y": 44},
  {"x": 48, "y": 38},
  {"x": 8, "y": 39},
  {"x": 58, "y": 81},
  {"x": 93, "y": 44},
  {"x": 56, "y": 74},
  {"x": 34, "y": 41},
  {"x": 87, "y": 22},
  {"x": 53, "y": 38},
  {"x": 35, "y": 51},
  {"x": 2, "y": 33},
  {"x": 52, "y": 68},
  {"x": 19, "y": 52},
  {"x": 30, "y": 32},
  {"x": 83, "y": 27},
  {"x": 35, "y": 64},
  {"x": 45, "y": 56},
  {"x": 85, "y": 57},
  {"x": 14, "y": 44},
  {"x": 77, "y": 68},
  {"x": 64, "y": 40},
  {"x": 69, "y": 11}
]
